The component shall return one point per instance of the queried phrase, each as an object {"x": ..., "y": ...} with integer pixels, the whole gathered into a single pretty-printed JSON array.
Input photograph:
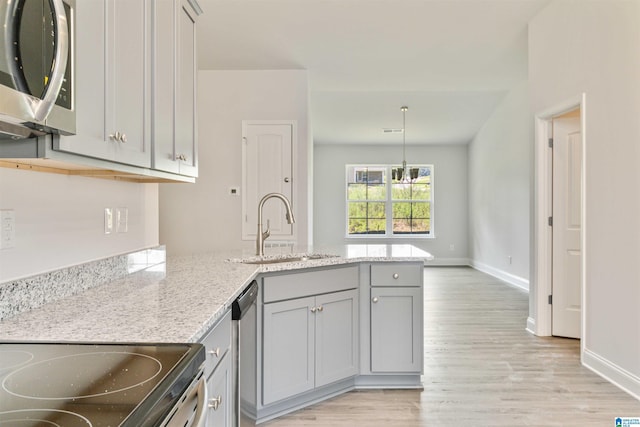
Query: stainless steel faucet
[{"x": 262, "y": 236}]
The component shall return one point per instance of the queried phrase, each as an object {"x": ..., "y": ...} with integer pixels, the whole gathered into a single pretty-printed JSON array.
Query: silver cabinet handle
[
  {"x": 396, "y": 275},
  {"x": 215, "y": 403},
  {"x": 119, "y": 137},
  {"x": 215, "y": 352},
  {"x": 181, "y": 157},
  {"x": 313, "y": 309},
  {"x": 286, "y": 179},
  {"x": 320, "y": 308},
  {"x": 374, "y": 299}
]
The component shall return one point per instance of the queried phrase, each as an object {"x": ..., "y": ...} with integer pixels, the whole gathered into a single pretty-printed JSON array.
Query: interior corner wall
[
  {"x": 500, "y": 167},
  {"x": 205, "y": 217},
  {"x": 449, "y": 186},
  {"x": 591, "y": 47},
  {"x": 59, "y": 220}
]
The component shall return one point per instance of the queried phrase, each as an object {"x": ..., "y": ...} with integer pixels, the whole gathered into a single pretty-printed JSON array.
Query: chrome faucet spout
[{"x": 262, "y": 236}]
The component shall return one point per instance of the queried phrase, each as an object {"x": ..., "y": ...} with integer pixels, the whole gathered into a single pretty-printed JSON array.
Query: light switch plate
[
  {"x": 7, "y": 228},
  {"x": 122, "y": 220},
  {"x": 108, "y": 220}
]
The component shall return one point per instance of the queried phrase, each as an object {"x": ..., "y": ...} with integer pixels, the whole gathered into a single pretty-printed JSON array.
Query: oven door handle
[{"x": 200, "y": 419}]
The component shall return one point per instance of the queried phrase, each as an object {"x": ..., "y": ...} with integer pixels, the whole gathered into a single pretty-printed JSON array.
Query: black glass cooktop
[{"x": 89, "y": 384}]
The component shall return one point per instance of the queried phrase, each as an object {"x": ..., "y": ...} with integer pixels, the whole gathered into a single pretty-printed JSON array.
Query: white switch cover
[
  {"x": 108, "y": 220},
  {"x": 7, "y": 228},
  {"x": 122, "y": 220}
]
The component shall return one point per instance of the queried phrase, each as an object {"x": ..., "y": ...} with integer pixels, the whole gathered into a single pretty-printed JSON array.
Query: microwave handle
[{"x": 42, "y": 108}]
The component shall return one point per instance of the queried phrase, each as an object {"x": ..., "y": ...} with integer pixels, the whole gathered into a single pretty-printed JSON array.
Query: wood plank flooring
[{"x": 481, "y": 369}]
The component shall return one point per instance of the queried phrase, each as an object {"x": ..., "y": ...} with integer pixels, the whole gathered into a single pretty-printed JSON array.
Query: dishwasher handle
[{"x": 245, "y": 300}]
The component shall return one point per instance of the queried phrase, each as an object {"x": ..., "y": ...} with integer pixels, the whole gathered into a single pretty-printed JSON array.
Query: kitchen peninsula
[{"x": 188, "y": 298}]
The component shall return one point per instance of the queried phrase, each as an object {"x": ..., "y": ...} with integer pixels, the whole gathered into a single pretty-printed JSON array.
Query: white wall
[
  {"x": 593, "y": 46},
  {"x": 204, "y": 217},
  {"x": 500, "y": 166},
  {"x": 60, "y": 220},
  {"x": 450, "y": 194}
]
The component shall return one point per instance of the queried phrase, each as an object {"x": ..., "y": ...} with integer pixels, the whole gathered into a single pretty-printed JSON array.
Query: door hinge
[
  {"x": 550, "y": 142},
  {"x": 550, "y": 221},
  {"x": 550, "y": 299}
]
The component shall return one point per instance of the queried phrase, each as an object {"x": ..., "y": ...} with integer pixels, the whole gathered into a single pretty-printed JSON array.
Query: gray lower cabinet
[
  {"x": 396, "y": 330},
  {"x": 219, "y": 372},
  {"x": 219, "y": 388},
  {"x": 309, "y": 342},
  {"x": 397, "y": 326}
]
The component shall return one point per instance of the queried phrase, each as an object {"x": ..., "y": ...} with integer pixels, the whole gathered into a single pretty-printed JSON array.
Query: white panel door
[
  {"x": 567, "y": 226},
  {"x": 267, "y": 168}
]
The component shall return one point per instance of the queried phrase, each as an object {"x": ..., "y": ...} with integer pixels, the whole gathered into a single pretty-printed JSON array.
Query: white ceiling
[{"x": 449, "y": 61}]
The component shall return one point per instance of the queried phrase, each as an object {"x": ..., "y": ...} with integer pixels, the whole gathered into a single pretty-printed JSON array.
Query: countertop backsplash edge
[{"x": 19, "y": 296}]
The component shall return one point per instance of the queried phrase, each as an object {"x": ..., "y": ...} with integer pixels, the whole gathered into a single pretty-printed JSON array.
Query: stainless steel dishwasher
[{"x": 244, "y": 317}]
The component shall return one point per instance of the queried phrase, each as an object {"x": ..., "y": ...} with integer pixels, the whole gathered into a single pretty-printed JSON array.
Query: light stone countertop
[{"x": 177, "y": 301}]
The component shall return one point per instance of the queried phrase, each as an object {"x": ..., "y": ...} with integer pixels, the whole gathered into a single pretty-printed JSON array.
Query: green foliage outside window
[{"x": 367, "y": 191}]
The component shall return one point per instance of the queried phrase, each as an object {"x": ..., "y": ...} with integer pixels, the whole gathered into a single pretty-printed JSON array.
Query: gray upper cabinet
[
  {"x": 174, "y": 124},
  {"x": 112, "y": 84}
]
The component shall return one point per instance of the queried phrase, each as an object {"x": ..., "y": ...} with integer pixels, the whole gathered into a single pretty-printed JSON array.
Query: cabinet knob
[
  {"x": 313, "y": 309},
  {"x": 286, "y": 179},
  {"x": 115, "y": 136},
  {"x": 215, "y": 352},
  {"x": 374, "y": 299},
  {"x": 396, "y": 275},
  {"x": 215, "y": 403},
  {"x": 320, "y": 308},
  {"x": 123, "y": 138},
  {"x": 182, "y": 157}
]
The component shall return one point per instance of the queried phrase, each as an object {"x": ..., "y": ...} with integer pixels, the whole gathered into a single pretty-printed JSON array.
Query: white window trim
[{"x": 389, "y": 206}]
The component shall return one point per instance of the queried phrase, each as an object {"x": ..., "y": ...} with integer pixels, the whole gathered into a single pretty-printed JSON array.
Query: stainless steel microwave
[{"x": 36, "y": 68}]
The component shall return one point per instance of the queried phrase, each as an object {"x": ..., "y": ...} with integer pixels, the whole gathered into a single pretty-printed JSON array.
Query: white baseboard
[
  {"x": 518, "y": 282},
  {"x": 611, "y": 372},
  {"x": 447, "y": 261},
  {"x": 531, "y": 325}
]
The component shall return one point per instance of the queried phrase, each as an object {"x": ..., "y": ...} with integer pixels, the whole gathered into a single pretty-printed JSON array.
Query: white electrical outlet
[
  {"x": 108, "y": 220},
  {"x": 122, "y": 220},
  {"x": 7, "y": 228}
]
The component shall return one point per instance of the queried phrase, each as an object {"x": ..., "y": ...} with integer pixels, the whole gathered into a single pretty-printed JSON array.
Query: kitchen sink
[{"x": 279, "y": 259}]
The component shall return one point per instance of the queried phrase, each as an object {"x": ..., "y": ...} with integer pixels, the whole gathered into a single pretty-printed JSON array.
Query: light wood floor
[{"x": 481, "y": 369}]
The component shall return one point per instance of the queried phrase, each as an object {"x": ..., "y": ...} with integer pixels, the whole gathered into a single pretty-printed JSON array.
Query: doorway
[{"x": 559, "y": 227}]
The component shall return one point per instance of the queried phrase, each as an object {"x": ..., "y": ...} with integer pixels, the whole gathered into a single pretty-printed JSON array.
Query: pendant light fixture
[{"x": 402, "y": 174}]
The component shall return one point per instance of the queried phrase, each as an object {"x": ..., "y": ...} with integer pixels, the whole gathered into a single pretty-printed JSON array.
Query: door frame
[{"x": 541, "y": 322}]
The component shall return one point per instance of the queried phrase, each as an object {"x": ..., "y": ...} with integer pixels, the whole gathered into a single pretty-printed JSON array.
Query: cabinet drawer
[
  {"x": 297, "y": 285},
  {"x": 396, "y": 274},
  {"x": 217, "y": 342}
]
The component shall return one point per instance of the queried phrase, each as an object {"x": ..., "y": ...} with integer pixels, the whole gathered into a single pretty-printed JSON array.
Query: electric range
[{"x": 94, "y": 384}]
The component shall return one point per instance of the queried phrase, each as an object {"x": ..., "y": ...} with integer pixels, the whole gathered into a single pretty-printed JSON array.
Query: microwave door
[{"x": 36, "y": 68}]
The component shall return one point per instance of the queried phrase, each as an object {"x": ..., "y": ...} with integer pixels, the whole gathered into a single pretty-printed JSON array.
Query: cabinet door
[
  {"x": 336, "y": 336},
  {"x": 396, "y": 330},
  {"x": 128, "y": 86},
  {"x": 220, "y": 404},
  {"x": 174, "y": 87},
  {"x": 112, "y": 84},
  {"x": 288, "y": 341}
]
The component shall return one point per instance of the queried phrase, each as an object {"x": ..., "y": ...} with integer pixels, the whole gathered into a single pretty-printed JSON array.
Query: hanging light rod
[{"x": 404, "y": 110}]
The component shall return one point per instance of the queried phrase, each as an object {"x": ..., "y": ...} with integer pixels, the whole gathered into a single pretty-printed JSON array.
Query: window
[{"x": 383, "y": 207}]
